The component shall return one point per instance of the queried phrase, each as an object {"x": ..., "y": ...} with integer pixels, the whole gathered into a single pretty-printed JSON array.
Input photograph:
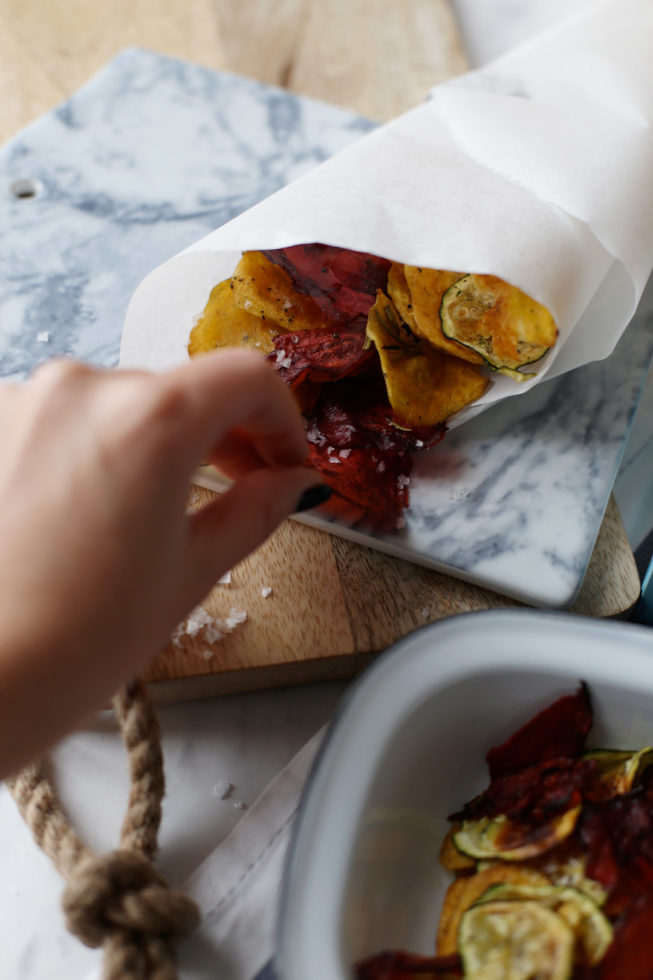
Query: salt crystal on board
[
  {"x": 197, "y": 620},
  {"x": 266, "y": 591},
  {"x": 223, "y": 789}
]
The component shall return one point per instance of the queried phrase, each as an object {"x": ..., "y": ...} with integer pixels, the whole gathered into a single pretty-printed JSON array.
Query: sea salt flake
[
  {"x": 287, "y": 303},
  {"x": 225, "y": 579},
  {"x": 207, "y": 654},
  {"x": 266, "y": 591},
  {"x": 283, "y": 360},
  {"x": 43, "y": 337},
  {"x": 222, "y": 789},
  {"x": 380, "y": 467},
  {"x": 247, "y": 304},
  {"x": 344, "y": 453},
  {"x": 235, "y": 618},
  {"x": 239, "y": 805},
  {"x": 213, "y": 633},
  {"x": 425, "y": 613},
  {"x": 197, "y": 620}
]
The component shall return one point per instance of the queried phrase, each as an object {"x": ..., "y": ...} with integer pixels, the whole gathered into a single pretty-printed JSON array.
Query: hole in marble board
[{"x": 25, "y": 187}]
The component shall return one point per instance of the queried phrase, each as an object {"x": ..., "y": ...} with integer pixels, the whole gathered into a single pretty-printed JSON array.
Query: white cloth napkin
[{"x": 237, "y": 886}]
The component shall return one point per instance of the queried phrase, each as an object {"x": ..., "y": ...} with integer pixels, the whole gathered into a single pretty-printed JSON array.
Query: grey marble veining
[
  {"x": 147, "y": 158},
  {"x": 152, "y": 155}
]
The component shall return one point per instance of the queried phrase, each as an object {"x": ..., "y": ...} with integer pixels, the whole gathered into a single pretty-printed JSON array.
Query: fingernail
[{"x": 312, "y": 497}]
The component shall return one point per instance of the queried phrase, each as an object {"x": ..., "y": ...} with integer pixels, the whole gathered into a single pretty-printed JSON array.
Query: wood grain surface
[{"x": 333, "y": 604}]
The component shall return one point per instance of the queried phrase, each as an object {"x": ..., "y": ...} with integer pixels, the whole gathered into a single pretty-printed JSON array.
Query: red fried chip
[
  {"x": 630, "y": 955},
  {"x": 342, "y": 282},
  {"x": 617, "y": 836},
  {"x": 321, "y": 355},
  {"x": 558, "y": 731},
  {"x": 354, "y": 415},
  {"x": 362, "y": 452},
  {"x": 375, "y": 480},
  {"x": 406, "y": 966},
  {"x": 535, "y": 794}
]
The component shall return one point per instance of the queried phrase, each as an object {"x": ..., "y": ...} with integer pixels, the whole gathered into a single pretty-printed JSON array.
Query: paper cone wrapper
[{"x": 538, "y": 168}]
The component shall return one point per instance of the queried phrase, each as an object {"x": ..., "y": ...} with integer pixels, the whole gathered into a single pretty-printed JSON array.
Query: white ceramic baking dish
[{"x": 407, "y": 748}]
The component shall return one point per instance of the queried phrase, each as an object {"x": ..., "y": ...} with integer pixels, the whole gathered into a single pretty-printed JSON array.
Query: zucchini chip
[
  {"x": 427, "y": 288},
  {"x": 515, "y": 941},
  {"x": 592, "y": 931},
  {"x": 504, "y": 326},
  {"x": 465, "y": 892},
  {"x": 617, "y": 772},
  {"x": 509, "y": 840}
]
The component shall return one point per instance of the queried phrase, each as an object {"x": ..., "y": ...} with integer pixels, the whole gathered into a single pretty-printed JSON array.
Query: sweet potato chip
[
  {"x": 425, "y": 386},
  {"x": 464, "y": 892},
  {"x": 223, "y": 324},
  {"x": 427, "y": 287},
  {"x": 399, "y": 293},
  {"x": 265, "y": 289}
]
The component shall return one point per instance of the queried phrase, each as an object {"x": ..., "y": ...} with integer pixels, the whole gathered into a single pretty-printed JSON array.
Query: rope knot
[{"x": 122, "y": 891}]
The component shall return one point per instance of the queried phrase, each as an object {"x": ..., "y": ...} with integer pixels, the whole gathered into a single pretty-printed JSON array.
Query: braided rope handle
[{"x": 119, "y": 900}]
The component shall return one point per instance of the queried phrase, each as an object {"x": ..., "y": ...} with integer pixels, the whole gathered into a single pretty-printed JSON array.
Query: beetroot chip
[
  {"x": 535, "y": 794},
  {"x": 630, "y": 955},
  {"x": 353, "y": 415},
  {"x": 343, "y": 283},
  {"x": 320, "y": 355},
  {"x": 406, "y": 966},
  {"x": 372, "y": 479},
  {"x": 558, "y": 731}
]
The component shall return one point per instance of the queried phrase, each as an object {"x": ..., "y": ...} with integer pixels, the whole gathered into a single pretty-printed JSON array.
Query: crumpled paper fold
[{"x": 536, "y": 168}]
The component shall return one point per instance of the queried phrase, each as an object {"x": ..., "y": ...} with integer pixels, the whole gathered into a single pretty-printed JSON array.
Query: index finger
[{"x": 236, "y": 389}]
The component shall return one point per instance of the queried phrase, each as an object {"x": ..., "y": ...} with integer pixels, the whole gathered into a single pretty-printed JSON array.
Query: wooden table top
[{"x": 378, "y": 59}]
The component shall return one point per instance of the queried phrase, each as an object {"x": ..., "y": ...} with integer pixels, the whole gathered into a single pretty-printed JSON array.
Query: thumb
[{"x": 239, "y": 520}]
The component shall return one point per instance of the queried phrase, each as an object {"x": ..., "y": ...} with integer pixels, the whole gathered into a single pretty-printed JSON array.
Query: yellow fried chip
[
  {"x": 497, "y": 321},
  {"x": 399, "y": 293},
  {"x": 451, "y": 858},
  {"x": 464, "y": 892},
  {"x": 223, "y": 324},
  {"x": 265, "y": 289},
  {"x": 427, "y": 287},
  {"x": 424, "y": 385}
]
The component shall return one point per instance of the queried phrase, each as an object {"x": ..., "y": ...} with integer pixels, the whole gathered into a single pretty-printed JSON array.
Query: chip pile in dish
[
  {"x": 379, "y": 355},
  {"x": 553, "y": 863}
]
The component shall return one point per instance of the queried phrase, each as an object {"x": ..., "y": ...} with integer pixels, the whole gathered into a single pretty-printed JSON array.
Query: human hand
[{"x": 99, "y": 558}]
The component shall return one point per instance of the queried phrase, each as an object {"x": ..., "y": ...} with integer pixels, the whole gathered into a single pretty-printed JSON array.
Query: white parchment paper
[{"x": 537, "y": 168}]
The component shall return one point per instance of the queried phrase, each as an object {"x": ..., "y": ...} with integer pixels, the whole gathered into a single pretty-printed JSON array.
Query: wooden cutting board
[{"x": 332, "y": 604}]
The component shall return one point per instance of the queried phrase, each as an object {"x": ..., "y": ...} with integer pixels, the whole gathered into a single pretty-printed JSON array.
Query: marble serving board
[{"x": 153, "y": 154}]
